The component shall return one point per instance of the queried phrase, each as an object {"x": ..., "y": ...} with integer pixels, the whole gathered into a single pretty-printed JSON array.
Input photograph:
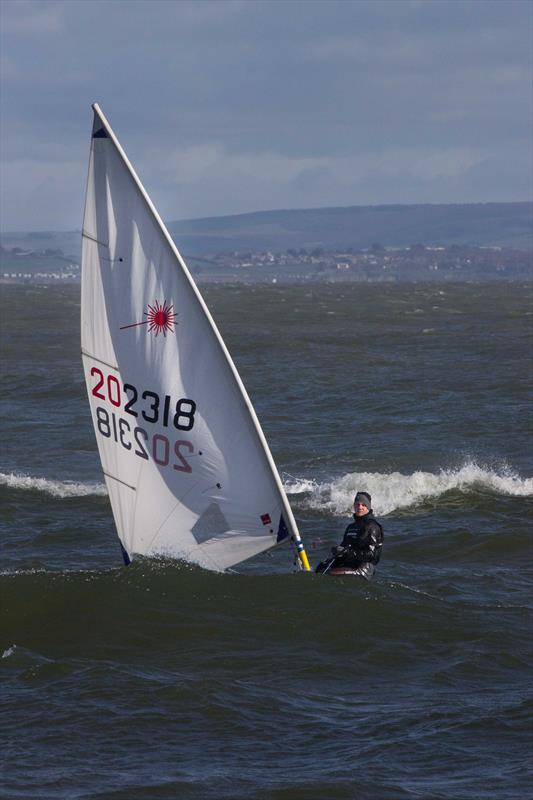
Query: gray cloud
[{"x": 235, "y": 106}]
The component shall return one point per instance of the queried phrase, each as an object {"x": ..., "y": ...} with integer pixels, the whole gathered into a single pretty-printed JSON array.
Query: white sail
[{"x": 187, "y": 467}]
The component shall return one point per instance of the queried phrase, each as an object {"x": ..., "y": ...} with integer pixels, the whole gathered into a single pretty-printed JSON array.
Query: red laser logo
[{"x": 160, "y": 319}]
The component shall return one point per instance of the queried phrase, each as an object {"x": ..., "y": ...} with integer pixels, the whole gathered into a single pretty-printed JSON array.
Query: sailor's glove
[{"x": 339, "y": 550}]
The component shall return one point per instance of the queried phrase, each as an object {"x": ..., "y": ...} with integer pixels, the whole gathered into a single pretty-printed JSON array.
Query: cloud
[
  {"x": 445, "y": 164},
  {"x": 233, "y": 106},
  {"x": 266, "y": 180},
  {"x": 212, "y": 161},
  {"x": 30, "y": 19},
  {"x": 49, "y": 194}
]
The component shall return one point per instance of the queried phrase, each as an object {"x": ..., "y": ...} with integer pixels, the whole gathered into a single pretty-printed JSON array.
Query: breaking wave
[
  {"x": 394, "y": 490},
  {"x": 53, "y": 488},
  {"x": 390, "y": 491}
]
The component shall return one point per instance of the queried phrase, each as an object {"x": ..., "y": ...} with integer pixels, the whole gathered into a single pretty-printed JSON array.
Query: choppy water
[{"x": 166, "y": 681}]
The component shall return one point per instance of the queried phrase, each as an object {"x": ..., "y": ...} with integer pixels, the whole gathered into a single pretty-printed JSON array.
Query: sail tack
[{"x": 187, "y": 467}]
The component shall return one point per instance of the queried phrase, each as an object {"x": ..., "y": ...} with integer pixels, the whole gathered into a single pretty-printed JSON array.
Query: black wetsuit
[{"x": 360, "y": 548}]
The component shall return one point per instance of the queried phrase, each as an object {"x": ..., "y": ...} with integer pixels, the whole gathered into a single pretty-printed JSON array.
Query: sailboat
[{"x": 187, "y": 467}]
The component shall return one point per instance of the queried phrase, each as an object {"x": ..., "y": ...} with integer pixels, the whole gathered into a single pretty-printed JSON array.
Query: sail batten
[
  {"x": 172, "y": 418},
  {"x": 95, "y": 358},
  {"x": 114, "y": 478},
  {"x": 86, "y": 235}
]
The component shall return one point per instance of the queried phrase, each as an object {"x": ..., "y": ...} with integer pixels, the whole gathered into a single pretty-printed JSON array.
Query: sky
[{"x": 231, "y": 106}]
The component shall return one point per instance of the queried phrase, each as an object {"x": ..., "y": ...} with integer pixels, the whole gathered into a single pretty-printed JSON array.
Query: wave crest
[
  {"x": 390, "y": 491},
  {"x": 54, "y": 488},
  {"x": 394, "y": 490}
]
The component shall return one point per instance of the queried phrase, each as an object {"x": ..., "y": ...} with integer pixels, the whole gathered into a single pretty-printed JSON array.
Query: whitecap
[
  {"x": 394, "y": 490},
  {"x": 52, "y": 487}
]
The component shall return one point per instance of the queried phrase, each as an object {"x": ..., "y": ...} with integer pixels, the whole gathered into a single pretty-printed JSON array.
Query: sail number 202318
[
  {"x": 141, "y": 443},
  {"x": 147, "y": 403},
  {"x": 147, "y": 406}
]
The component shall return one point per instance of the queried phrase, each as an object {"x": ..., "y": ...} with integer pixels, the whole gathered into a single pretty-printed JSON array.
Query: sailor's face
[{"x": 360, "y": 509}]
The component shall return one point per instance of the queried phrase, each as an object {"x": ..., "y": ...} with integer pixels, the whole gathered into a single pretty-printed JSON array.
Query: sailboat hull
[{"x": 365, "y": 572}]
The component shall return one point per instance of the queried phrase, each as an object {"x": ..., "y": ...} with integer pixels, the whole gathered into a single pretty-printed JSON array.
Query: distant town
[{"x": 375, "y": 264}]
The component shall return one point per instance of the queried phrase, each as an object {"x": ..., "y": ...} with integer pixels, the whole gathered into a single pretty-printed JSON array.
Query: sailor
[{"x": 360, "y": 548}]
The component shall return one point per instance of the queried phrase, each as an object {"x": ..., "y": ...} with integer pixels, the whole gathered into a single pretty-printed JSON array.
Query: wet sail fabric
[{"x": 187, "y": 468}]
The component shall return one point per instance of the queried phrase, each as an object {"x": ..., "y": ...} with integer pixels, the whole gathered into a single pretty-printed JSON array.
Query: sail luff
[{"x": 100, "y": 120}]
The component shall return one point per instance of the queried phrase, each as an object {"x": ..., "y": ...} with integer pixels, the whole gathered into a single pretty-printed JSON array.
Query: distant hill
[
  {"x": 482, "y": 224},
  {"x": 503, "y": 224},
  {"x": 69, "y": 242}
]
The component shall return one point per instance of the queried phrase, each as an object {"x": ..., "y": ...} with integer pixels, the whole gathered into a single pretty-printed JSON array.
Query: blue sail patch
[
  {"x": 283, "y": 531},
  {"x": 125, "y": 556}
]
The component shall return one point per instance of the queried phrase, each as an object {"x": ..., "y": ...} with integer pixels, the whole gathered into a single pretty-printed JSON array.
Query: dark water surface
[{"x": 167, "y": 681}]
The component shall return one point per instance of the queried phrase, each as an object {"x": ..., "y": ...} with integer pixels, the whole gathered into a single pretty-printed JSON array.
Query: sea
[{"x": 162, "y": 680}]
